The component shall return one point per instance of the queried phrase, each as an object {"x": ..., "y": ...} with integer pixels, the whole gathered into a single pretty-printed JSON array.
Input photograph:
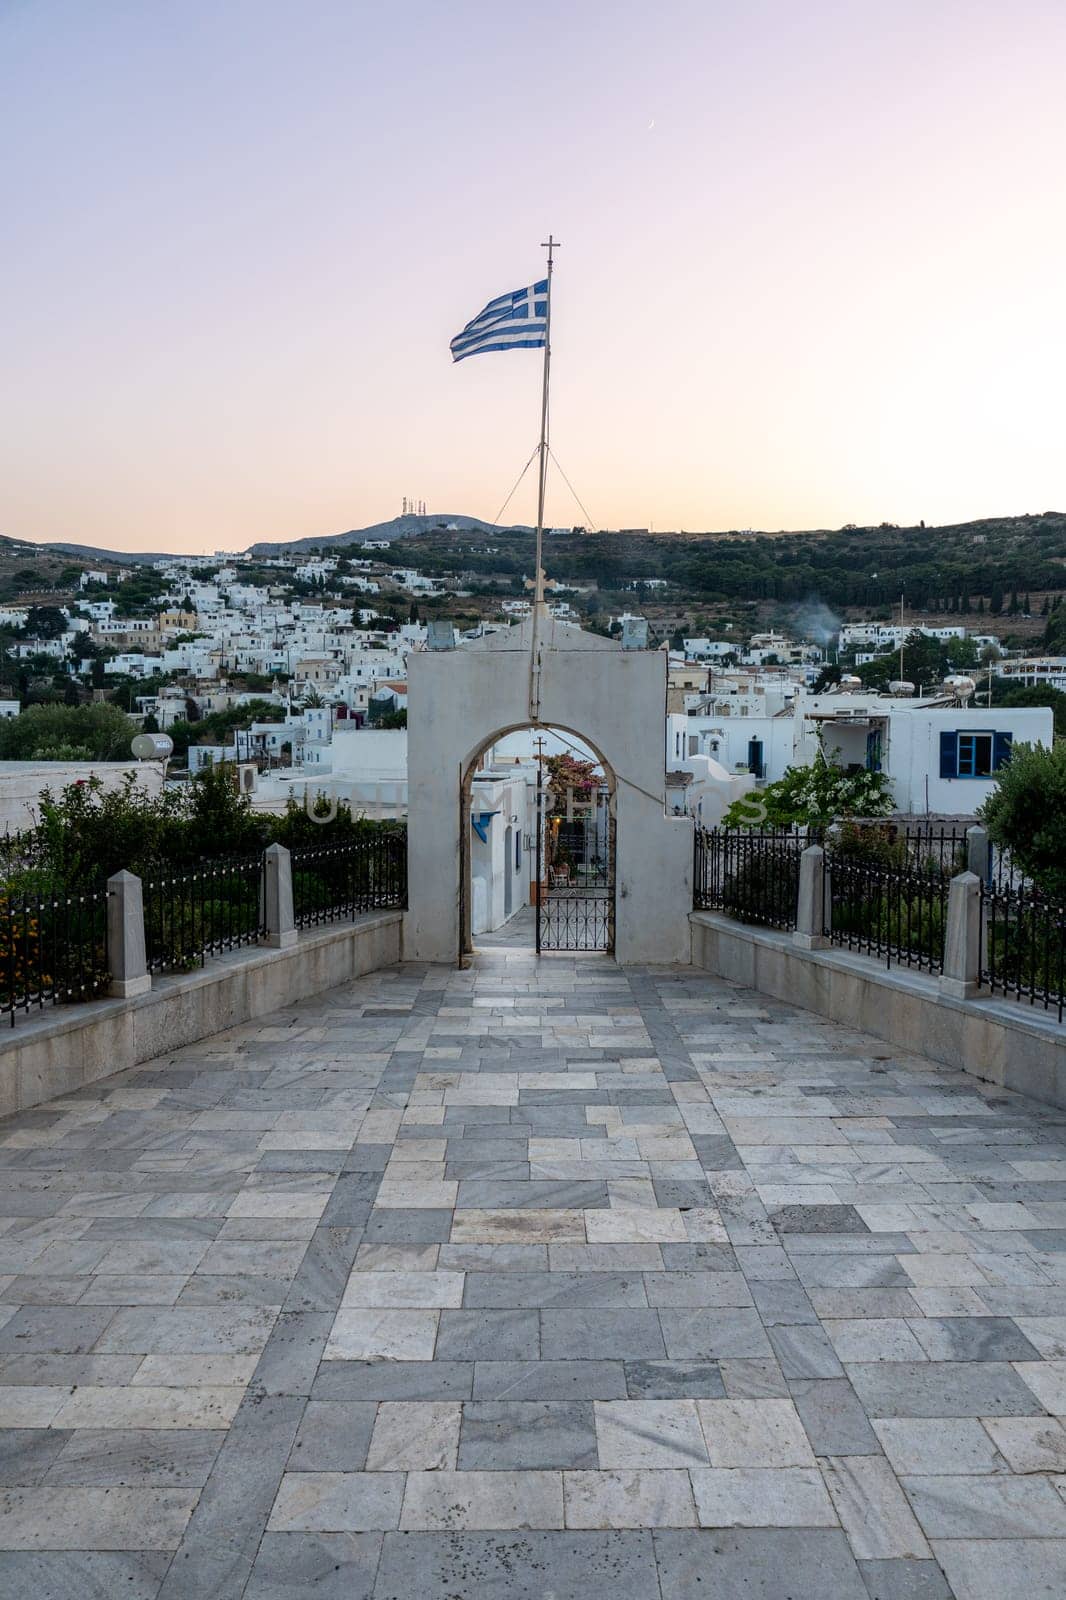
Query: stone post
[
  {"x": 278, "y": 918},
  {"x": 977, "y": 851},
  {"x": 125, "y": 936},
  {"x": 810, "y": 903},
  {"x": 962, "y": 938}
]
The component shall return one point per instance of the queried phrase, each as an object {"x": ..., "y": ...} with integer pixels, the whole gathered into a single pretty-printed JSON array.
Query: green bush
[
  {"x": 1025, "y": 949},
  {"x": 86, "y": 833},
  {"x": 763, "y": 889},
  {"x": 1026, "y": 814},
  {"x": 101, "y": 730}
]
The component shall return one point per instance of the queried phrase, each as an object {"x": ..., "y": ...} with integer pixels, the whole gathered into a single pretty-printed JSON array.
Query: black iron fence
[
  {"x": 1023, "y": 946},
  {"x": 53, "y": 949},
  {"x": 54, "y": 943},
  {"x": 898, "y": 914},
  {"x": 334, "y": 882},
  {"x": 911, "y": 845},
  {"x": 885, "y": 894},
  {"x": 751, "y": 876},
  {"x": 205, "y": 911}
]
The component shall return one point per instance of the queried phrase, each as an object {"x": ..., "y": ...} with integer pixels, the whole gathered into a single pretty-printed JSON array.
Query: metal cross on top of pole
[{"x": 551, "y": 244}]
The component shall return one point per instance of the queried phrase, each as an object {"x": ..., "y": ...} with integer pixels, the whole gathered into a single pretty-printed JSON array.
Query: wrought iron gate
[{"x": 575, "y": 879}]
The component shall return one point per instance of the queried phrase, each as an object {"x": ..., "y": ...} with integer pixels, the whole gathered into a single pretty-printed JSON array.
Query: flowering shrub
[
  {"x": 21, "y": 966},
  {"x": 817, "y": 795}
]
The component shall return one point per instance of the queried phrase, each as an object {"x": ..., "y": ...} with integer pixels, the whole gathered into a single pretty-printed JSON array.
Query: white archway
[
  {"x": 466, "y": 880},
  {"x": 614, "y": 701}
]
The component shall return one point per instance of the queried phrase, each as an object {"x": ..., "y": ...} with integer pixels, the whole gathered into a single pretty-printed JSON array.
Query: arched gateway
[
  {"x": 614, "y": 700},
  {"x": 571, "y": 858}
]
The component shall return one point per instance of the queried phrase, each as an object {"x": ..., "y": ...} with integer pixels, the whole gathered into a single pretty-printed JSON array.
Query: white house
[
  {"x": 1044, "y": 672},
  {"x": 940, "y": 757},
  {"x": 882, "y": 636},
  {"x": 133, "y": 664},
  {"x": 708, "y": 649}
]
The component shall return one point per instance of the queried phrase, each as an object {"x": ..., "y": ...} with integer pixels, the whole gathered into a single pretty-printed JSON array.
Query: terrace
[{"x": 534, "y": 1277}]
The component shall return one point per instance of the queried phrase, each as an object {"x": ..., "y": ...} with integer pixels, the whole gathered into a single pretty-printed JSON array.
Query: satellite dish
[{"x": 152, "y": 746}]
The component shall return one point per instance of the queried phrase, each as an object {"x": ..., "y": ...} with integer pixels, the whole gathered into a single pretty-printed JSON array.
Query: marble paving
[{"x": 535, "y": 1279}]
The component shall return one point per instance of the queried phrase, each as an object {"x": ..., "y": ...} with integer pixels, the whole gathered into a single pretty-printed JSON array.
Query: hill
[
  {"x": 405, "y": 527},
  {"x": 965, "y": 567},
  {"x": 961, "y": 567}
]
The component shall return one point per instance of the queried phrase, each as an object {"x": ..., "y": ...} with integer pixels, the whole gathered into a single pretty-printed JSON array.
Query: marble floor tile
[{"x": 529, "y": 1278}]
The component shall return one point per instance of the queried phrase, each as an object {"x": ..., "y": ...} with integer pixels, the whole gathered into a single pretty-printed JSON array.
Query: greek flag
[{"x": 517, "y": 321}]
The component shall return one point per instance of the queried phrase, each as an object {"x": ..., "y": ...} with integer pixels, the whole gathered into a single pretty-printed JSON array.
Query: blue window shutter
[
  {"x": 1001, "y": 744},
  {"x": 949, "y": 755}
]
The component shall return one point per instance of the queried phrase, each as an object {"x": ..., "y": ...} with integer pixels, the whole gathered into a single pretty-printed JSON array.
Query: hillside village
[{"x": 292, "y": 664}]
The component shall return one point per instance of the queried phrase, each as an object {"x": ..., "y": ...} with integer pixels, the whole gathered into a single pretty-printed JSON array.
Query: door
[{"x": 575, "y": 905}]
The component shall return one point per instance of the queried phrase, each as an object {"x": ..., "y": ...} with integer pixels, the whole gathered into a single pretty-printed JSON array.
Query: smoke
[{"x": 813, "y": 620}]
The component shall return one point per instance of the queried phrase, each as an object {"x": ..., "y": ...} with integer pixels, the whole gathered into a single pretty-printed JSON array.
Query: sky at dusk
[{"x": 812, "y": 267}]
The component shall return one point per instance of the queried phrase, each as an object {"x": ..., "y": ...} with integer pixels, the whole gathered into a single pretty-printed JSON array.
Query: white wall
[
  {"x": 21, "y": 783},
  {"x": 914, "y": 753},
  {"x": 461, "y": 699},
  {"x": 725, "y": 739},
  {"x": 492, "y": 861}
]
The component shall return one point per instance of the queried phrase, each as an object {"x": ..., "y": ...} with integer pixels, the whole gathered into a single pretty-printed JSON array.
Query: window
[{"x": 975, "y": 754}]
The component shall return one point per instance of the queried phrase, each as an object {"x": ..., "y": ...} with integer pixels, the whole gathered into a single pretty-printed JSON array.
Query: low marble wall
[
  {"x": 1000, "y": 1041},
  {"x": 64, "y": 1048}
]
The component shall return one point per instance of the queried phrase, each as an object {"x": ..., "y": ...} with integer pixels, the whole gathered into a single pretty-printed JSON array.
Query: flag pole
[{"x": 550, "y": 244}]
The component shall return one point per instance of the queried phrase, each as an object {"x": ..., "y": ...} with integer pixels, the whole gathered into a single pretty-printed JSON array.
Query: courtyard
[{"x": 534, "y": 1279}]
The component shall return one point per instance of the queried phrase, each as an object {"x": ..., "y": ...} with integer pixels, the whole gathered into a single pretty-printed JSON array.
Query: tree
[
  {"x": 45, "y": 622},
  {"x": 926, "y": 662},
  {"x": 1005, "y": 693},
  {"x": 102, "y": 730},
  {"x": 1026, "y": 814},
  {"x": 1055, "y": 632}
]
